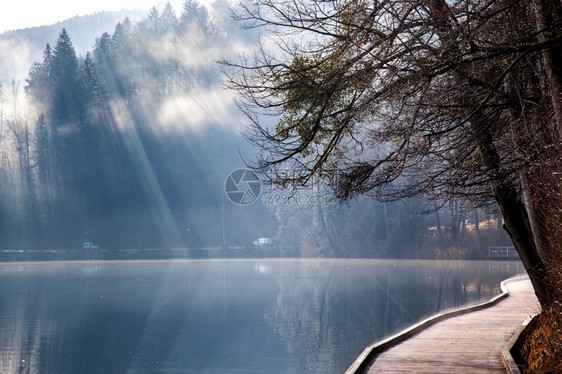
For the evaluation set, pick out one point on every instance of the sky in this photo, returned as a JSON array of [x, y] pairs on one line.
[[18, 14]]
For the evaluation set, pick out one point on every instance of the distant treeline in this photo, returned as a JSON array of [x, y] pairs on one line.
[[106, 153], [129, 146], [410, 228]]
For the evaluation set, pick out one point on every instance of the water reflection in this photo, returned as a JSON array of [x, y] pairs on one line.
[[278, 316], [262, 268]]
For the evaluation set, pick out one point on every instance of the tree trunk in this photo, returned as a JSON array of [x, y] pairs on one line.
[[477, 230], [548, 15], [516, 223], [531, 214], [516, 219]]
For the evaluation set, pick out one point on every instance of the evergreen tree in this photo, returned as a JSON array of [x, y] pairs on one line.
[[194, 12], [168, 19], [96, 148], [92, 91], [121, 38], [152, 23], [64, 70], [39, 78], [109, 64]]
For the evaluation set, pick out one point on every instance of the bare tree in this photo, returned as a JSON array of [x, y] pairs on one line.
[[451, 99], [21, 138]]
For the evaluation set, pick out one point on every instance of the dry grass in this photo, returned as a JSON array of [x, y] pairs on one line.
[[542, 350]]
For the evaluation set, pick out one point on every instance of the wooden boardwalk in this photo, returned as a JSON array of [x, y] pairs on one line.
[[470, 343]]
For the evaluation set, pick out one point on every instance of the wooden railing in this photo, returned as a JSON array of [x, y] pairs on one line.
[[502, 252]]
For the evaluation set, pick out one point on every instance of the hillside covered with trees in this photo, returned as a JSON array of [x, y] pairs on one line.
[[114, 147], [128, 145]]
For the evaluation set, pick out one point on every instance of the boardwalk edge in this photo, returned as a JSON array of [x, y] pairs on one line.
[[365, 358], [507, 358]]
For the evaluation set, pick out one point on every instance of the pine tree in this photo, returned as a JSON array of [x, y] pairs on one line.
[[168, 18], [194, 12], [39, 77], [64, 70], [90, 84]]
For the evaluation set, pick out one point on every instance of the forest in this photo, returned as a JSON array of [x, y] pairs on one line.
[[129, 145]]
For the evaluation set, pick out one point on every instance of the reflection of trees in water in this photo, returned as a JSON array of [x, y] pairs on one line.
[[65, 323], [339, 302], [19, 340], [37, 319], [458, 283], [306, 329], [324, 312], [336, 306]]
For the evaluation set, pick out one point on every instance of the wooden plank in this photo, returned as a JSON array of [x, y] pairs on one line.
[[470, 343]]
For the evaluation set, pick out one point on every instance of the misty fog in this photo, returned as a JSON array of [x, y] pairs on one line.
[[116, 129]]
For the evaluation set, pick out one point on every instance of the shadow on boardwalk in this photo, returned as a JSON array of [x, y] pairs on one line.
[[469, 343]]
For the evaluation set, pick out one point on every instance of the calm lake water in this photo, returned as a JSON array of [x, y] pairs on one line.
[[221, 316]]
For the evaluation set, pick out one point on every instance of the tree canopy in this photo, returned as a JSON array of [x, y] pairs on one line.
[[451, 99], [105, 152]]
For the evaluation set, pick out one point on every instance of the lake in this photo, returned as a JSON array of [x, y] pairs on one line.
[[222, 316]]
